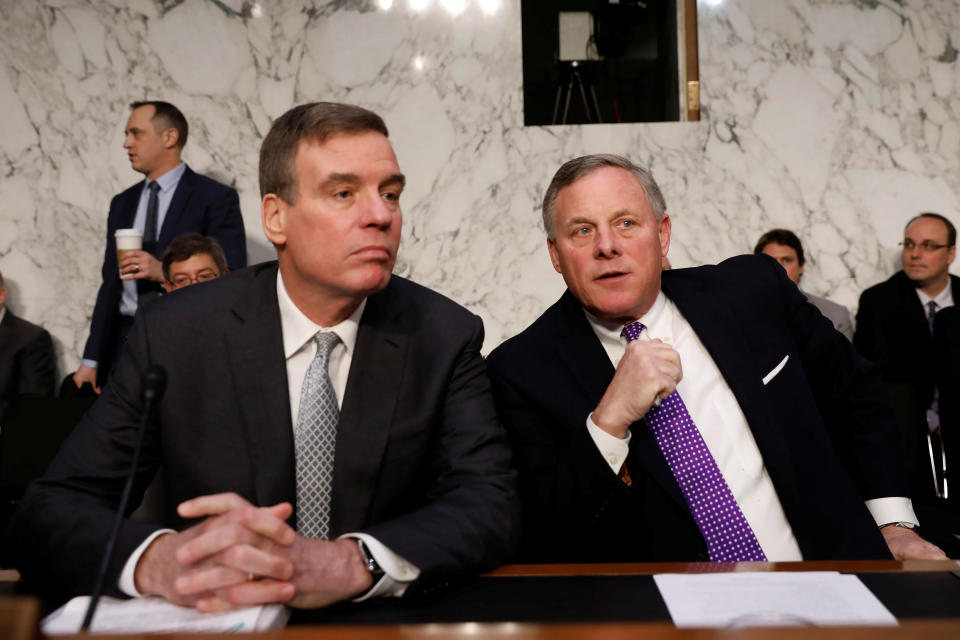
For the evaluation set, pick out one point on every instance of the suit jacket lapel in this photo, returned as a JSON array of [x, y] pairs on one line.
[[255, 349], [128, 208], [589, 365], [581, 349], [722, 335], [373, 387]]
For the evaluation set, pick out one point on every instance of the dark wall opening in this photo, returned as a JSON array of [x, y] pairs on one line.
[[627, 70]]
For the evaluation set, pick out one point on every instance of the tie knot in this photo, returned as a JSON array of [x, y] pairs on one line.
[[632, 331], [153, 185], [326, 341]]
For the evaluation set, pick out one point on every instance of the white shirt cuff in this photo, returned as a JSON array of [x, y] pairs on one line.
[[397, 572], [127, 584], [887, 510], [613, 449], [89, 363]]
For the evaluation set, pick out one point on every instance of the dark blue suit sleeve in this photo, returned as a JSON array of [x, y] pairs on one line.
[[224, 222]]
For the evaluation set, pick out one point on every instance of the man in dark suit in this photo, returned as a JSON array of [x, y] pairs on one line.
[[171, 200], [192, 258], [784, 246], [947, 352], [27, 366], [410, 485], [895, 329], [693, 414]]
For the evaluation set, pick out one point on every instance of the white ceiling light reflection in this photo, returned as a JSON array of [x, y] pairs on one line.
[[256, 11], [385, 4], [454, 7], [489, 7], [714, 3], [419, 62], [418, 5]]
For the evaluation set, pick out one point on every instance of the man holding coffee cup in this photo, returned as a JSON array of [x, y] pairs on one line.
[[144, 219]]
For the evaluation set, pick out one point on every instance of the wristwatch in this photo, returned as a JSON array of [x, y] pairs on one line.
[[901, 524], [376, 572]]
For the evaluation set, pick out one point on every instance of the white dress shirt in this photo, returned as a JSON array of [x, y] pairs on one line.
[[717, 414]]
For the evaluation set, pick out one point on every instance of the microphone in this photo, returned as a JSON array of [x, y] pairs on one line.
[[154, 383]]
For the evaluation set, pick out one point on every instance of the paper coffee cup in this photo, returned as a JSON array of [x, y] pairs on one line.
[[127, 240]]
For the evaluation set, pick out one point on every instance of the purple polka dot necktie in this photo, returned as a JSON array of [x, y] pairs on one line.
[[727, 533]]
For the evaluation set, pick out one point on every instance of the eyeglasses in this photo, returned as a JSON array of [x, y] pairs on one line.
[[182, 280], [926, 246]]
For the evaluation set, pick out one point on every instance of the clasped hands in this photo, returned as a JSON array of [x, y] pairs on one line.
[[243, 555], [648, 370]]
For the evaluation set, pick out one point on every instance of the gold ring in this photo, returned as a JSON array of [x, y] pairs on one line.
[[251, 577], [136, 268]]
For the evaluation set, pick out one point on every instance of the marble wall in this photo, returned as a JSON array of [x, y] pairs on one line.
[[836, 118]]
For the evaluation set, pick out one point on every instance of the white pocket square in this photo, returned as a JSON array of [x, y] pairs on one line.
[[773, 373]]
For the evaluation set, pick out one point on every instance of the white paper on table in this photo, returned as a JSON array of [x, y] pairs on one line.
[[159, 615], [770, 599]]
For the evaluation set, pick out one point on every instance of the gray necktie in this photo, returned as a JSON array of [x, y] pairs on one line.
[[315, 439]]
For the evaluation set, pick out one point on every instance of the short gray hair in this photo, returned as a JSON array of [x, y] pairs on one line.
[[577, 168]]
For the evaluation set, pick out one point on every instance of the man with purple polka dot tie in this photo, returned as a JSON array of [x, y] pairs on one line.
[[692, 414]]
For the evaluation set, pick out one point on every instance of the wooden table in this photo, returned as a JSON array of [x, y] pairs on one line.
[[947, 626]]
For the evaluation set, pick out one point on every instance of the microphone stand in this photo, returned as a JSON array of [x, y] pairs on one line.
[[154, 381]]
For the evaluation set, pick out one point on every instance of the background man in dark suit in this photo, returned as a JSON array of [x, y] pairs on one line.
[[895, 325], [417, 484], [182, 201], [192, 258], [27, 365], [784, 246], [791, 444]]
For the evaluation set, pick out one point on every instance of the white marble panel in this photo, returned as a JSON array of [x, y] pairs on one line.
[[840, 120]]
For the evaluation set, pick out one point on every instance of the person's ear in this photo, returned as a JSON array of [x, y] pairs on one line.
[[275, 219]]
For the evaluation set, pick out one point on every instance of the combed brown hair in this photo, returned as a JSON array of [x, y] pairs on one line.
[[784, 237], [187, 245], [166, 116], [573, 170], [316, 122]]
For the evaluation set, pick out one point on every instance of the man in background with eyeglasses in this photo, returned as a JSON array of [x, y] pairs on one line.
[[191, 258], [896, 327]]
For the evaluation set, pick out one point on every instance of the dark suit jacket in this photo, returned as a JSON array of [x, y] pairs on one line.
[[199, 204], [821, 424], [946, 333], [893, 332], [422, 463], [27, 365]]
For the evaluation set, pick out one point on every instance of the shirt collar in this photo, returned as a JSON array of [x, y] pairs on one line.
[[656, 320], [943, 299], [298, 329], [3, 312], [170, 179]]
